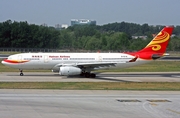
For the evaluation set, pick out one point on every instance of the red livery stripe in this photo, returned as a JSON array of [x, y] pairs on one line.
[[15, 61]]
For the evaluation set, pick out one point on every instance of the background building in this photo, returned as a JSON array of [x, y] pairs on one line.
[[62, 26], [82, 22]]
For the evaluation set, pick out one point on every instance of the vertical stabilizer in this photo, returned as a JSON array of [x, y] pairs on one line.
[[157, 47]]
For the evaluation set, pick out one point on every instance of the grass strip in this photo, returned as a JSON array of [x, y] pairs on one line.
[[162, 86]]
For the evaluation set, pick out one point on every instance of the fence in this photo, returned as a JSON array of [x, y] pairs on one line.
[[51, 50], [31, 50]]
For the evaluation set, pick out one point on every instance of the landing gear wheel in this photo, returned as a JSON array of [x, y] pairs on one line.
[[82, 74], [21, 74], [87, 74], [93, 75]]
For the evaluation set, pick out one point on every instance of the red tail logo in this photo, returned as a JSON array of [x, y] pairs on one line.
[[159, 39], [160, 42], [157, 46]]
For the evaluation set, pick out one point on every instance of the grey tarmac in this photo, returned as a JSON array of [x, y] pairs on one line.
[[32, 103], [101, 77]]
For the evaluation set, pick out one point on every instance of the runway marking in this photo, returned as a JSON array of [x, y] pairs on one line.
[[158, 100], [173, 111], [124, 100], [145, 104], [153, 104]]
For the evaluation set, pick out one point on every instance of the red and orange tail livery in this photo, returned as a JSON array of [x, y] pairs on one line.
[[157, 47]]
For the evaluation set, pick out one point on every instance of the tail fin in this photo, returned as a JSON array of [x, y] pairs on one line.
[[157, 47], [160, 41]]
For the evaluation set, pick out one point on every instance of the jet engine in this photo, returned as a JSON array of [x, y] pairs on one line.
[[69, 70]]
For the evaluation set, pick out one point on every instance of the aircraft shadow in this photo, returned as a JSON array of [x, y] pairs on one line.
[[141, 75], [110, 79]]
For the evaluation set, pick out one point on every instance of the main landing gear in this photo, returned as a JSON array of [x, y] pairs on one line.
[[88, 74], [21, 72]]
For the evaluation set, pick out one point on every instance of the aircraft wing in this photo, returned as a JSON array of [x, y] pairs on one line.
[[95, 64], [88, 65], [104, 64]]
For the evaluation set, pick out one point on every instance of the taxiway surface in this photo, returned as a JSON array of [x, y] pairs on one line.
[[16, 103], [102, 77]]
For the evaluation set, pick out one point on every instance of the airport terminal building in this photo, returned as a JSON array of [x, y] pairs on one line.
[[82, 22]]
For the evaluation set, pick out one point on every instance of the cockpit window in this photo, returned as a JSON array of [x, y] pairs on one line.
[[10, 57]]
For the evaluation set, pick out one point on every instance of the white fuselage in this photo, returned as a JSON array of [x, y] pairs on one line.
[[50, 60]]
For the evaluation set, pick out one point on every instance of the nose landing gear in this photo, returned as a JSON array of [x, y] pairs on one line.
[[21, 72]]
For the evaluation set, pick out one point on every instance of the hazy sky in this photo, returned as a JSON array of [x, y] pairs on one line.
[[51, 12]]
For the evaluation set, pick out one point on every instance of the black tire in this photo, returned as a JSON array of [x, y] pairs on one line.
[[93, 75], [87, 74], [21, 74], [82, 74]]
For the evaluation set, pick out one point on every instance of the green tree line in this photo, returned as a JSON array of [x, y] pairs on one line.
[[114, 36]]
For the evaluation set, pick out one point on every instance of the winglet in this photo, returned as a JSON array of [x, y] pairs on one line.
[[133, 60]]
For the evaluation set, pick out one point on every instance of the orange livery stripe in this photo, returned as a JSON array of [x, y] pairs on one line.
[[15, 61]]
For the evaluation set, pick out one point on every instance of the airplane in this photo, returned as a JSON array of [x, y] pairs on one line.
[[69, 64]]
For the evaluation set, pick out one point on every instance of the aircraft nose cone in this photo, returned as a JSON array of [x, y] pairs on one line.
[[3, 61]]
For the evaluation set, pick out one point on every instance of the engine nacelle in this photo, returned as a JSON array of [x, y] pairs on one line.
[[69, 70], [55, 69]]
